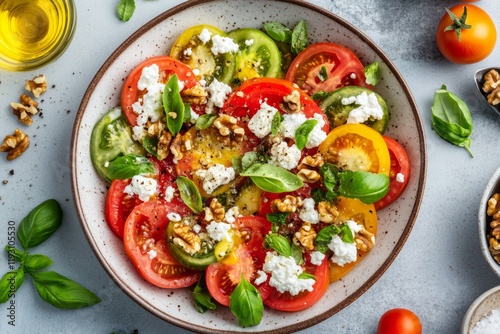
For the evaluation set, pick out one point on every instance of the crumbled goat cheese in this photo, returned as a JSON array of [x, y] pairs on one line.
[[317, 135], [204, 35], [231, 214], [249, 42], [223, 45], [218, 92], [152, 254], [344, 252], [353, 76], [261, 278], [106, 164], [142, 186], [196, 71], [285, 274], [174, 216], [188, 52], [194, 117], [400, 177], [290, 123], [369, 108], [197, 228], [317, 258], [215, 176], [261, 123], [285, 156], [169, 193], [219, 231], [308, 213]]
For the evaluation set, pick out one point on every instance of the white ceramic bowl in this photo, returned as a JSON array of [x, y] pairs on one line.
[[492, 187], [481, 307], [156, 37]]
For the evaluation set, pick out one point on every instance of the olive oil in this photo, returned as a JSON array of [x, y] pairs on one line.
[[34, 32]]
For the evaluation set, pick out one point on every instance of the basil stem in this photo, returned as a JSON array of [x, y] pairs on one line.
[[372, 73], [202, 299], [126, 9], [278, 32], [189, 193], [40, 224], [451, 118], [36, 262], [205, 121], [126, 166], [272, 178], [300, 37], [62, 292], [279, 243], [246, 304], [303, 131], [173, 105], [10, 283]]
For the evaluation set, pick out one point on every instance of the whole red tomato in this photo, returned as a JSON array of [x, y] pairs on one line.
[[399, 321], [466, 34]]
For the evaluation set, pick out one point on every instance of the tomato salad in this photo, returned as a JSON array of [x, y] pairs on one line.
[[249, 165]]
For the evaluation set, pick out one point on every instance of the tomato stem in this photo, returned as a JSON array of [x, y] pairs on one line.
[[458, 23]]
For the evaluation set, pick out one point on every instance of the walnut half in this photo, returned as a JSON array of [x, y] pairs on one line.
[[24, 109], [37, 86], [15, 144], [492, 86]]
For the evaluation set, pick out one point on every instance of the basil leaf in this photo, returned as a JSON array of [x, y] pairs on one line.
[[173, 105], [303, 131], [320, 95], [451, 118], [306, 275], [272, 178], [62, 292], [278, 32], [275, 123], [297, 254], [246, 304], [40, 224], [324, 237], [323, 74], [279, 243], [319, 195], [277, 217], [126, 166], [300, 37], [250, 158], [365, 186], [36, 262], [126, 9], [205, 121], [15, 253], [10, 283], [372, 73], [189, 193], [187, 113], [202, 299], [346, 234], [330, 175], [150, 144]]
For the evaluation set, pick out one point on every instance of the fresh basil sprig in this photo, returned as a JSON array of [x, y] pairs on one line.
[[279, 243], [300, 37], [372, 73], [272, 178], [451, 118], [202, 299], [126, 166], [278, 32], [189, 193], [173, 105], [52, 287], [246, 304], [126, 9], [303, 131], [277, 218]]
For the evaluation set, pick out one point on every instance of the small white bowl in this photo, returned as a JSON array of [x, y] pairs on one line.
[[492, 187], [481, 307]]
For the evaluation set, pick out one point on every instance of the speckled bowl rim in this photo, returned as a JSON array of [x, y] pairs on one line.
[[347, 301], [492, 186], [466, 322]]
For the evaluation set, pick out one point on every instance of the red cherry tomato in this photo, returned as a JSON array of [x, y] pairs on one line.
[[400, 164], [475, 43], [399, 321], [326, 67]]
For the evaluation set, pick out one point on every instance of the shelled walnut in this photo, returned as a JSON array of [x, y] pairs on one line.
[[493, 233], [492, 86], [229, 132], [24, 109], [37, 86], [15, 144]]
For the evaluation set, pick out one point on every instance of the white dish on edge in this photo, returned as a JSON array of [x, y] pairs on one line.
[[156, 37]]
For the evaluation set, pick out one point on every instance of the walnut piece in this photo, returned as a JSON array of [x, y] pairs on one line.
[[157, 129], [15, 144], [364, 240], [37, 86], [309, 168], [328, 212], [24, 109], [183, 236], [493, 204], [215, 211], [492, 86], [181, 144], [194, 95], [494, 97], [305, 236], [230, 133], [493, 234], [312, 162], [308, 175], [288, 204], [291, 102]]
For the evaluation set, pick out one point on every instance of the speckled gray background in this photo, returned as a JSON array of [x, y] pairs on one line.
[[439, 271]]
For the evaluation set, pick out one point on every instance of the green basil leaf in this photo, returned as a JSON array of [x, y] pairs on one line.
[[330, 176], [246, 304], [36, 262], [126, 166], [278, 32], [372, 73], [250, 158], [10, 283], [189, 193], [320, 95], [297, 254], [451, 118], [324, 237], [319, 195], [306, 275], [277, 217], [15, 253], [303, 131], [40, 224], [150, 144], [173, 105], [202, 299], [346, 234], [275, 123], [323, 74], [205, 121], [62, 292], [187, 113], [279, 243], [272, 178], [126, 9], [300, 37], [365, 186]]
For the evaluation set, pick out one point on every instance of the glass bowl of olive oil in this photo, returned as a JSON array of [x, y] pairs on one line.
[[34, 33]]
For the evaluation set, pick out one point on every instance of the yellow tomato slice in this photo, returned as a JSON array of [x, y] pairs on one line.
[[356, 147], [363, 214]]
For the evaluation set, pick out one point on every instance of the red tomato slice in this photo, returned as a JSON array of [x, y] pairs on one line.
[[288, 303], [222, 278], [144, 240], [342, 66], [399, 164], [168, 66]]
